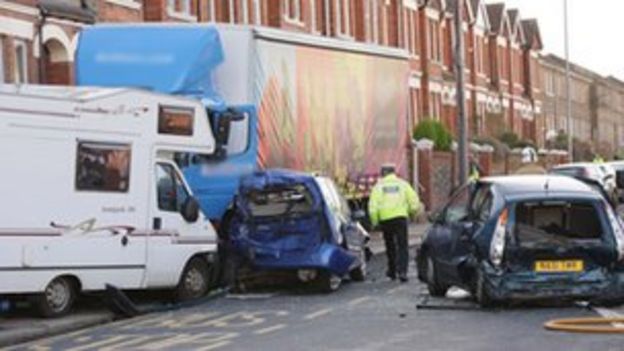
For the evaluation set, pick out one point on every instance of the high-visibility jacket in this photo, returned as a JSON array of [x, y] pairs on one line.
[[392, 198], [598, 159]]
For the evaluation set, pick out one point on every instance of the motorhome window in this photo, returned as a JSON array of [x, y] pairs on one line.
[[171, 191], [103, 167], [556, 223], [281, 202], [238, 140], [175, 121]]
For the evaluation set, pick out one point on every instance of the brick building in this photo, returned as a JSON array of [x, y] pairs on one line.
[[597, 105], [501, 48]]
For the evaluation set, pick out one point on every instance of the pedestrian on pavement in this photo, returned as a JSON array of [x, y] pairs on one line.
[[475, 169], [391, 204]]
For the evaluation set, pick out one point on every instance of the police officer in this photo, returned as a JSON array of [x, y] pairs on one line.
[[391, 203]]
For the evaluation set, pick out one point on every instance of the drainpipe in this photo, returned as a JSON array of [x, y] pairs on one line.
[[42, 54]]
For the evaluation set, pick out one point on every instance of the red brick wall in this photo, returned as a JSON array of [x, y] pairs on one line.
[[154, 10], [109, 12]]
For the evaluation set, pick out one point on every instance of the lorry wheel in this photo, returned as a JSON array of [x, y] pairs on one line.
[[327, 282], [194, 282], [57, 298], [434, 286]]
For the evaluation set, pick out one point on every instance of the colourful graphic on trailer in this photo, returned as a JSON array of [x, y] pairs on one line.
[[337, 112]]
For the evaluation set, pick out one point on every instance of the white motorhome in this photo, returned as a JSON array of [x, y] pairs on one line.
[[92, 195]]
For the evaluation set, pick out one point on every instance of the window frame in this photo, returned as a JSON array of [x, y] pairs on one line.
[[23, 70], [80, 143], [177, 182]]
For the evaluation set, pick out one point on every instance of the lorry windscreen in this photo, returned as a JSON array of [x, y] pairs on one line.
[[285, 201]]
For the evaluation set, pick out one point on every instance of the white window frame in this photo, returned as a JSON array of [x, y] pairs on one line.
[[186, 7], [232, 11], [313, 17], [257, 9], [245, 10], [2, 74], [372, 21], [24, 68], [341, 32], [297, 18], [171, 5]]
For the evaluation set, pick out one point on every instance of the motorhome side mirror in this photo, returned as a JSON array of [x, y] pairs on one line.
[[619, 179], [358, 215], [190, 210]]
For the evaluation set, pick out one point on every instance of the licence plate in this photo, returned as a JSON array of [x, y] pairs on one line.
[[559, 266]]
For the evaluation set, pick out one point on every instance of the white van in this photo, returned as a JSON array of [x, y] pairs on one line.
[[91, 195]]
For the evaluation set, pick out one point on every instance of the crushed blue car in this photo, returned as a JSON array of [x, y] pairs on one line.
[[300, 223]]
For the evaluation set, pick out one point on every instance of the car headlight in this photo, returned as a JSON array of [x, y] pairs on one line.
[[497, 245], [618, 231]]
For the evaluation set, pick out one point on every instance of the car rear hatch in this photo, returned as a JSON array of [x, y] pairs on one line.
[[280, 219], [566, 241]]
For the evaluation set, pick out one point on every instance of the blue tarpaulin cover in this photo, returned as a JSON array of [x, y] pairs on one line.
[[168, 58]]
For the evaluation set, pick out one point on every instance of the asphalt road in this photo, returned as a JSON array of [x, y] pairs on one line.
[[374, 315]]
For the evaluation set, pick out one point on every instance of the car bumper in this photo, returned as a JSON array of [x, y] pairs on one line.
[[590, 285], [325, 256]]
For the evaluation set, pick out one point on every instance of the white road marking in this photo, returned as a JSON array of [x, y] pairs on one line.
[[214, 346], [99, 344], [317, 314], [394, 290], [607, 313], [359, 300], [270, 329]]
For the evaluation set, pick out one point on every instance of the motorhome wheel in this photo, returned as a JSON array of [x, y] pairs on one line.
[[194, 281], [57, 298]]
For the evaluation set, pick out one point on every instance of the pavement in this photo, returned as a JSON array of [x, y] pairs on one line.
[[20, 326]]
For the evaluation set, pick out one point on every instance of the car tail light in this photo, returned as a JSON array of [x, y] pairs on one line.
[[497, 246], [618, 230]]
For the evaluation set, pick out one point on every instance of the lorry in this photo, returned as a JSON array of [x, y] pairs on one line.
[[94, 197], [279, 99]]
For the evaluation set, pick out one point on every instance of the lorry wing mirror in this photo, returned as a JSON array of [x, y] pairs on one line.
[[190, 210], [222, 130]]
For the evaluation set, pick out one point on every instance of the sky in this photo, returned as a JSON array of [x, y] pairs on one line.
[[596, 30]]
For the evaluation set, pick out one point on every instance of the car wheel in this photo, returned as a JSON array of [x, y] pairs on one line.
[[194, 282], [434, 286], [327, 282], [481, 295], [359, 273], [57, 298]]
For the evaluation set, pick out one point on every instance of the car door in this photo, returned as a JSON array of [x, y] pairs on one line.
[[171, 194], [447, 230]]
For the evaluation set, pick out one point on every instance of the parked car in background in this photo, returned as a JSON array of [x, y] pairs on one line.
[[602, 173], [618, 167], [299, 223], [525, 238]]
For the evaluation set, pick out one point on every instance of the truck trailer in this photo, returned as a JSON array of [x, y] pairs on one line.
[[288, 100], [94, 197]]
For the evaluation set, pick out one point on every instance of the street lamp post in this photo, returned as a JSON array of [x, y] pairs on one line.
[[462, 149], [568, 90]]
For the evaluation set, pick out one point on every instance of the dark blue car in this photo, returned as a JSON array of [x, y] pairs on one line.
[[297, 222], [523, 238]]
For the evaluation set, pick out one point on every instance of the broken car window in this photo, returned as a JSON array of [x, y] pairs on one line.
[[556, 223], [286, 201]]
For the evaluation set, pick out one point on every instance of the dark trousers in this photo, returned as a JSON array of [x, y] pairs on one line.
[[397, 251]]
